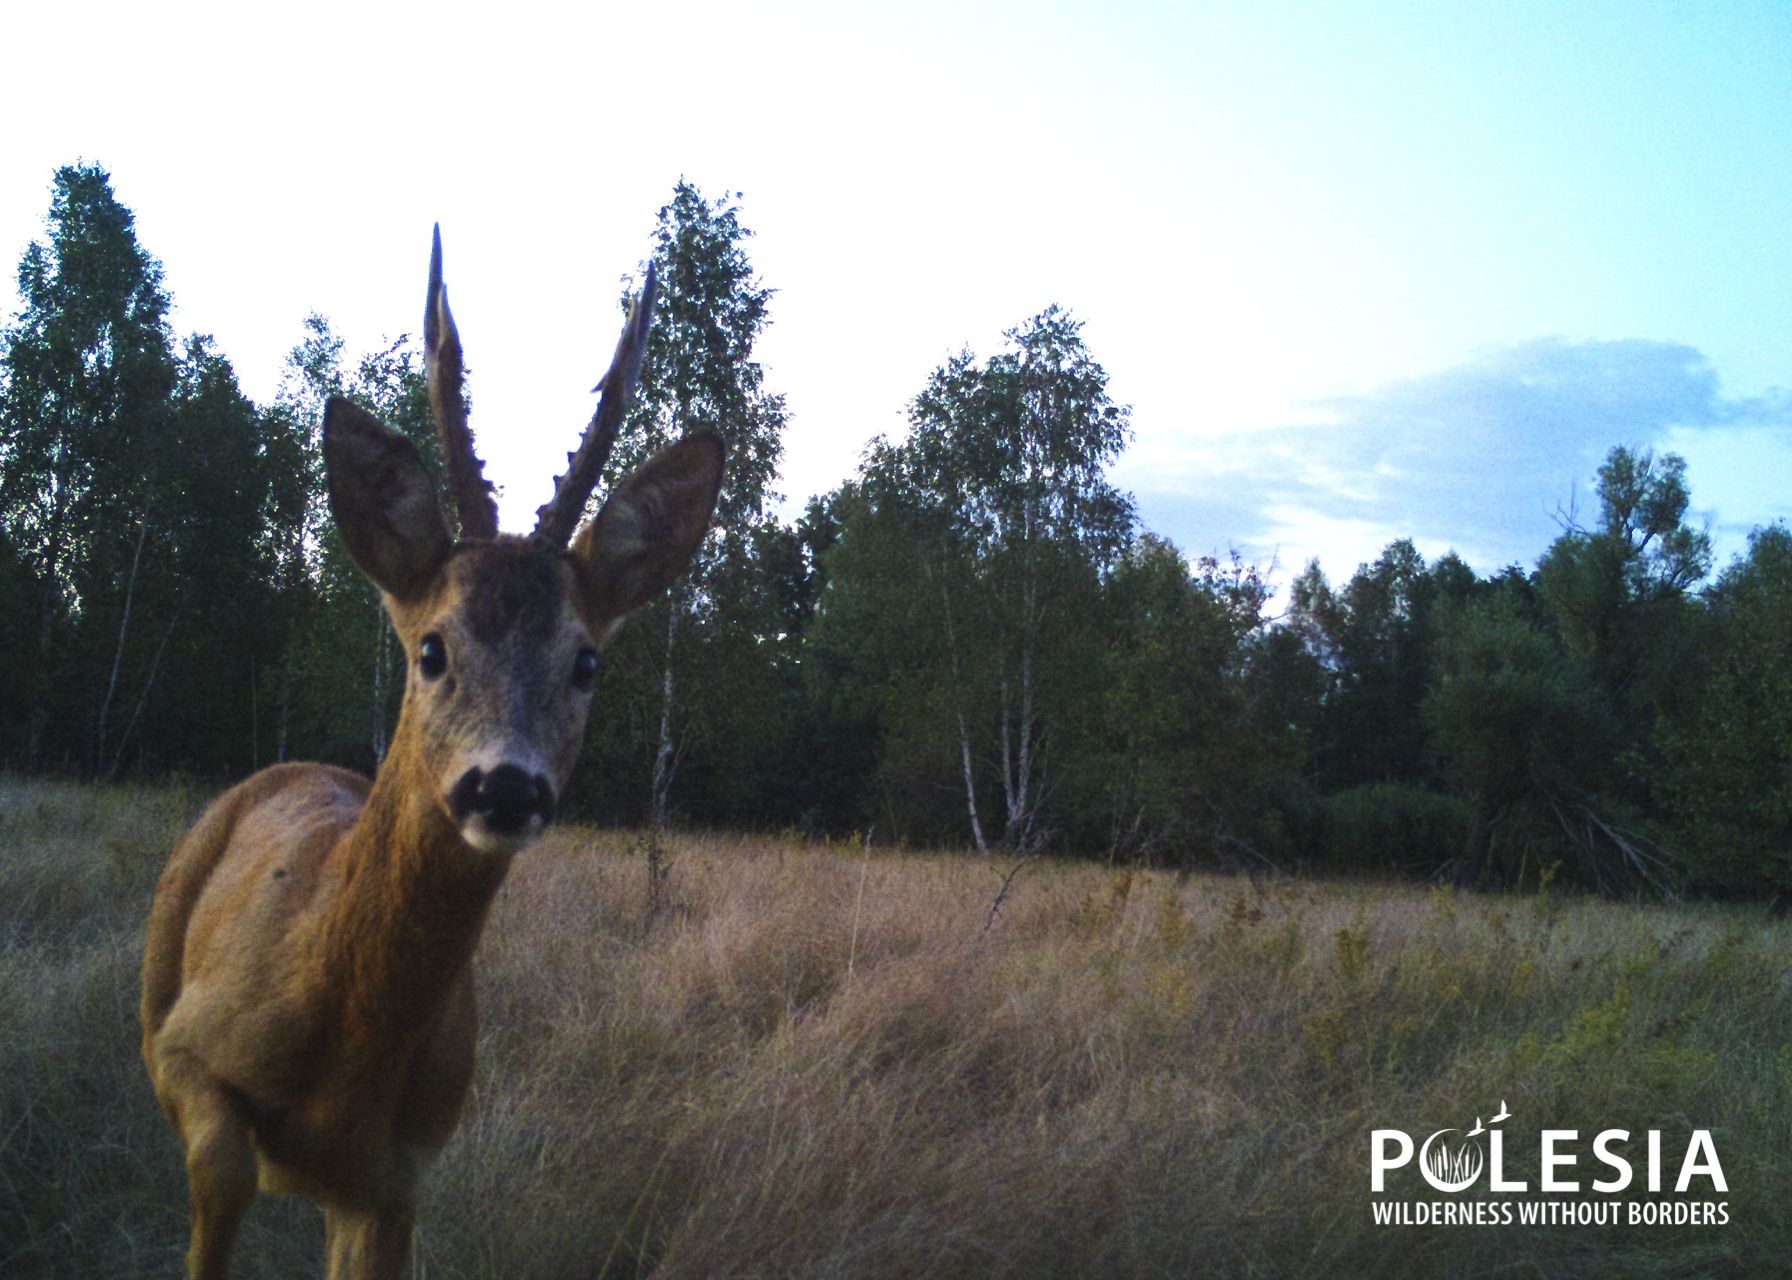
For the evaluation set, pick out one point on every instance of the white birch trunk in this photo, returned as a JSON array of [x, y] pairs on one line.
[[1017, 762], [142, 698], [124, 629], [964, 733], [970, 785]]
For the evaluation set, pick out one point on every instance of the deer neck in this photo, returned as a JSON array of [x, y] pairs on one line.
[[408, 913]]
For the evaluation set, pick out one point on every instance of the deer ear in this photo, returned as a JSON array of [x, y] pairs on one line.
[[648, 530], [383, 501]]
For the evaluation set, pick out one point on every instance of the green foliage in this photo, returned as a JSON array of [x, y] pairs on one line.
[[1729, 755], [1375, 639], [702, 686], [968, 641], [1510, 708], [973, 555], [132, 485], [699, 373], [1525, 732], [178, 598], [1618, 596], [1547, 699], [1192, 760], [215, 578], [1396, 826]]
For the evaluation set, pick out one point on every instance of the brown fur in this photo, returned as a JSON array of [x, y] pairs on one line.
[[308, 1016]]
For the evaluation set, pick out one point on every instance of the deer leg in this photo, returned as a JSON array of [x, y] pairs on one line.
[[220, 1175], [367, 1245]]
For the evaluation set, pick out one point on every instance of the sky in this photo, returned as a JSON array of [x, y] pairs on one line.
[[1363, 271]]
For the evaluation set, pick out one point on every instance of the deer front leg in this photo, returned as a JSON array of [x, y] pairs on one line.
[[220, 1164], [367, 1245]]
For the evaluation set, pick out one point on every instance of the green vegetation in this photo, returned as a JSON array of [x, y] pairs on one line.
[[816, 1059], [971, 643]]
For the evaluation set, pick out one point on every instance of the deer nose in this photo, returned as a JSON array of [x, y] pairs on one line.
[[506, 798]]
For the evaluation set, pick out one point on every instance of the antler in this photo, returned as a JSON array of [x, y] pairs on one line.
[[556, 519], [442, 362]]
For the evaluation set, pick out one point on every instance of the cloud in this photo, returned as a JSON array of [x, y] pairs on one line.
[[1482, 458]]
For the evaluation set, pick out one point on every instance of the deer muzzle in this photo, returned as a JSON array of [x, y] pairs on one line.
[[503, 808]]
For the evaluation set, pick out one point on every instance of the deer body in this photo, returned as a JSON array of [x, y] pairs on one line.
[[308, 1013]]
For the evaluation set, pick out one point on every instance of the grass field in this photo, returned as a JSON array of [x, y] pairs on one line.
[[818, 1061]]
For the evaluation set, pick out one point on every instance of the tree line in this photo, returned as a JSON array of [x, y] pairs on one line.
[[972, 642]]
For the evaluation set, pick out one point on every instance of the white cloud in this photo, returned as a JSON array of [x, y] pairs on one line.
[[1484, 458]]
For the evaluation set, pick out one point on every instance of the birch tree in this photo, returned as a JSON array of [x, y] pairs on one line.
[[1005, 474], [700, 374]]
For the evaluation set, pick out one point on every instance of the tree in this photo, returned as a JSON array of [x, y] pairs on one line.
[[1375, 640], [84, 453], [336, 685], [1546, 690], [20, 596], [1616, 592], [1190, 754], [711, 666], [209, 576], [1729, 751], [1523, 730], [1619, 596], [297, 529], [1000, 498]]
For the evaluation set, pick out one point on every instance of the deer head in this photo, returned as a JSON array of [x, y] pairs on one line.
[[501, 634]]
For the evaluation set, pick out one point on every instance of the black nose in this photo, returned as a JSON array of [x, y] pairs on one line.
[[506, 798]]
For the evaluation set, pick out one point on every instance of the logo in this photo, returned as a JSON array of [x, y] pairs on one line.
[[1454, 1161], [1451, 1170]]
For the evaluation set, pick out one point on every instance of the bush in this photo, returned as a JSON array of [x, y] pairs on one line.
[[1395, 827]]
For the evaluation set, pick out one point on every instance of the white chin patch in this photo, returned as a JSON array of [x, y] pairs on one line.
[[482, 837]]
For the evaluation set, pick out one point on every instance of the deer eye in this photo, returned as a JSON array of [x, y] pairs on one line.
[[432, 657], [584, 668]]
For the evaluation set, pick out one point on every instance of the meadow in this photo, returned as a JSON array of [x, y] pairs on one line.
[[809, 1060]]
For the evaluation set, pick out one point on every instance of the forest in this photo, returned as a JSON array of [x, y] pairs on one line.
[[971, 643]]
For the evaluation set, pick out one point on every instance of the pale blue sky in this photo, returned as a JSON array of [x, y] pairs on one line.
[[1363, 270]]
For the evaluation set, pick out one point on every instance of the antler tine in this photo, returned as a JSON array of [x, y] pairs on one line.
[[472, 492], [556, 519]]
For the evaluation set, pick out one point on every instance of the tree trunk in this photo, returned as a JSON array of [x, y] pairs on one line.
[[664, 758], [1017, 767], [970, 784], [964, 733], [40, 694], [281, 725], [124, 628], [1010, 801], [142, 698]]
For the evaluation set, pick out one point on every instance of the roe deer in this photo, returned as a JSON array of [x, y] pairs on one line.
[[308, 1017]]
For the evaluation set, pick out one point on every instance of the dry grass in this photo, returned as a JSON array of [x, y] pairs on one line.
[[817, 1062]]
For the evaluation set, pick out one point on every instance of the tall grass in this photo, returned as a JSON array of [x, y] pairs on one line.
[[814, 1061]]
